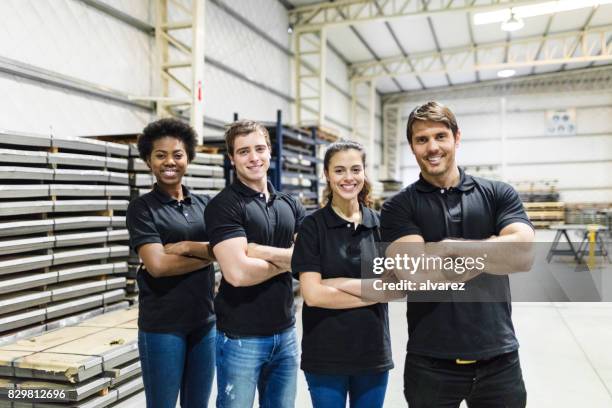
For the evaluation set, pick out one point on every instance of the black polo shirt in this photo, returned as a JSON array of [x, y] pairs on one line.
[[239, 211], [341, 341], [446, 329], [173, 303]]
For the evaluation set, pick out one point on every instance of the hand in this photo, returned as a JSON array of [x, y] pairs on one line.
[[178, 248], [283, 266]]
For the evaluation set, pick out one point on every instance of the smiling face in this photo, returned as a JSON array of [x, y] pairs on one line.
[[346, 174], [168, 161], [251, 157], [433, 146]]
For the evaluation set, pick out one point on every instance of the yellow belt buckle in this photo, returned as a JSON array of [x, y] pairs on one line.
[[460, 361]]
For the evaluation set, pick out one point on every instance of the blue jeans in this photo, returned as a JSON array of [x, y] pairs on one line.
[[364, 391], [268, 363], [178, 361]]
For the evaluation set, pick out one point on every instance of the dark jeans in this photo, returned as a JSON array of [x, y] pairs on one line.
[[364, 391], [178, 361], [436, 383]]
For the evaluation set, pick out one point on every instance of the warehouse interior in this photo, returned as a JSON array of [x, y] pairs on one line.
[[530, 82]]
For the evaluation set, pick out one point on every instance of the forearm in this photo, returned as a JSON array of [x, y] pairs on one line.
[[270, 253], [174, 265], [500, 255], [328, 297], [199, 250], [249, 272], [370, 290]]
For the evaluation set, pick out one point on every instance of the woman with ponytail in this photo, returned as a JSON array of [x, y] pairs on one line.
[[346, 349]]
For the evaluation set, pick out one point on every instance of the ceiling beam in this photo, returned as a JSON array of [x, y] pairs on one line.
[[595, 79], [552, 49], [345, 12]]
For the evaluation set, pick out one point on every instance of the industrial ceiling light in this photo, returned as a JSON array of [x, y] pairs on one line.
[[514, 23], [538, 9], [506, 73], [290, 28]]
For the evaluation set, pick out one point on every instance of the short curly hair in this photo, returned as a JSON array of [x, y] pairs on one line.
[[167, 127]]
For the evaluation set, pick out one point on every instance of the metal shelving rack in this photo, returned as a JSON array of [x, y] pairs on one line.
[[294, 161]]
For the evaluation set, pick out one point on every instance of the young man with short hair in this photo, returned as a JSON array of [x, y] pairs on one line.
[[457, 350], [252, 227]]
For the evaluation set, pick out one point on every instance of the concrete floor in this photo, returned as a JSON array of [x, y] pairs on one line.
[[566, 354]]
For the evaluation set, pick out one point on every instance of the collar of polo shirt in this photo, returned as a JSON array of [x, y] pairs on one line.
[[164, 198], [333, 220], [247, 191], [466, 183]]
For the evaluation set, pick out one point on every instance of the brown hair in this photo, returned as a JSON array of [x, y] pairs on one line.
[[242, 128], [364, 196], [432, 111]]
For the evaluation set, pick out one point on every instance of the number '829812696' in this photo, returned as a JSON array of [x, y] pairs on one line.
[[36, 394]]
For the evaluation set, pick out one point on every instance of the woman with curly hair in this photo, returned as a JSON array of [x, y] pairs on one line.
[[346, 348], [176, 322]]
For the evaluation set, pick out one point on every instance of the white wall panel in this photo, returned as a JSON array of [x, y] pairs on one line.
[[559, 149], [225, 94], [236, 46], [135, 8], [32, 107], [269, 15], [337, 71], [73, 39]]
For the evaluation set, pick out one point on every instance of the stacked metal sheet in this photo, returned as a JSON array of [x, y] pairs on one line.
[[63, 242], [91, 364]]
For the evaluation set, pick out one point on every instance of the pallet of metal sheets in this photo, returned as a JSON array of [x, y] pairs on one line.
[[25, 173], [59, 392], [89, 145], [81, 190], [13, 138], [80, 271], [87, 222], [73, 360], [94, 345], [73, 289], [88, 254], [24, 281], [19, 319], [23, 300], [121, 393], [15, 246], [124, 372], [19, 299], [26, 227], [87, 160], [55, 324], [13, 208], [64, 308], [9, 265], [12, 191], [124, 318], [104, 176], [208, 158], [23, 156]]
